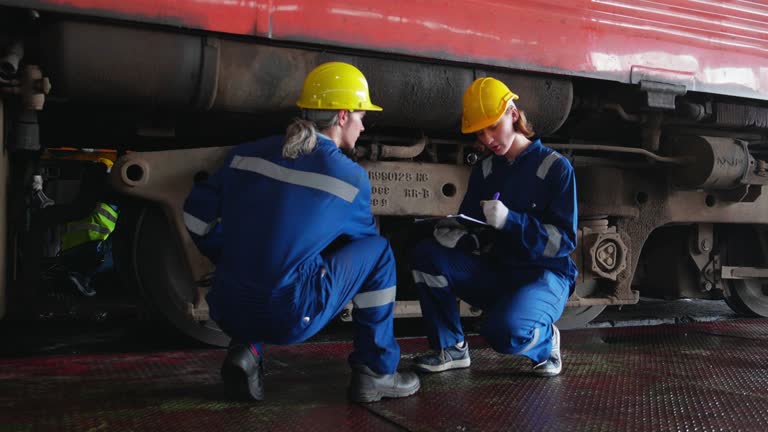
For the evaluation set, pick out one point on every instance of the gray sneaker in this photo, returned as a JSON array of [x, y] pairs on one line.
[[554, 364], [447, 359]]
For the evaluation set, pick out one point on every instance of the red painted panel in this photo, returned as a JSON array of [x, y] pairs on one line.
[[710, 45], [227, 16]]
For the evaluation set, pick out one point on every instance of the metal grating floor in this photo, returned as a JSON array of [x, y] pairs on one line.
[[697, 377]]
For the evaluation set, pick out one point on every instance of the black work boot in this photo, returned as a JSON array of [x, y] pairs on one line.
[[368, 386], [243, 373]]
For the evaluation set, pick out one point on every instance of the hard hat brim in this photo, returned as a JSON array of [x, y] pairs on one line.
[[491, 120], [372, 107], [481, 125]]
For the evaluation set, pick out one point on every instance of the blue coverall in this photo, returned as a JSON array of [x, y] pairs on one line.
[[294, 242], [523, 282]]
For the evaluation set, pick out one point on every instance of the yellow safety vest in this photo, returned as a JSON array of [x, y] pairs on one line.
[[95, 227]]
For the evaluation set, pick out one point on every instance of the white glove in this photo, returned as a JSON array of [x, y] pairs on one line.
[[495, 213], [448, 232]]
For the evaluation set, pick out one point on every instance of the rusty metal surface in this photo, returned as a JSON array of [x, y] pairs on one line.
[[704, 376], [645, 201], [99, 63], [166, 177]]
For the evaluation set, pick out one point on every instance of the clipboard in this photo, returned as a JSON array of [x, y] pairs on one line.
[[462, 218]]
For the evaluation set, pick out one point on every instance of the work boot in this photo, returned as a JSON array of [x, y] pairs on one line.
[[447, 359], [368, 386], [554, 364], [243, 372]]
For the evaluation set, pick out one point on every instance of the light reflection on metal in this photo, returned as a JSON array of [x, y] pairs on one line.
[[683, 34], [666, 14], [609, 62], [252, 4], [740, 76], [732, 7], [356, 13], [432, 25]]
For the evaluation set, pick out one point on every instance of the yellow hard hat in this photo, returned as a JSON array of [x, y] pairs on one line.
[[336, 86], [485, 101], [107, 162]]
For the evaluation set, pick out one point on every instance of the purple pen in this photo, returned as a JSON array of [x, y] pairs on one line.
[[496, 195]]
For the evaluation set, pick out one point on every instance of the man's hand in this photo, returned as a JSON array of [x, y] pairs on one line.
[[495, 213], [448, 232]]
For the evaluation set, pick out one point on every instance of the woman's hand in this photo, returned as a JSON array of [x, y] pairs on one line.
[[448, 232], [495, 213]]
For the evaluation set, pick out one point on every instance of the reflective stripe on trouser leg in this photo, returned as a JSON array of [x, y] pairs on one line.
[[439, 307], [521, 321], [363, 271]]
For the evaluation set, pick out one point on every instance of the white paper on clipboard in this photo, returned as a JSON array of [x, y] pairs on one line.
[[461, 217]]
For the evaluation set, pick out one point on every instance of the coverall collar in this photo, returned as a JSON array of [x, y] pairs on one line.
[[325, 140], [534, 145]]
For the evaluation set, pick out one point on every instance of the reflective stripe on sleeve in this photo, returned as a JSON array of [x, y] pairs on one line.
[[487, 166], [546, 164], [532, 343], [375, 298], [554, 238], [321, 182], [198, 226], [432, 281]]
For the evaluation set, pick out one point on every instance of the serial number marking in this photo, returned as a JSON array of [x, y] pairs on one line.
[[422, 193], [379, 202], [390, 176], [380, 190]]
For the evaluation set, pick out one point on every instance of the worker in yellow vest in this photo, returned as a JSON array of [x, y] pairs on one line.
[[86, 246]]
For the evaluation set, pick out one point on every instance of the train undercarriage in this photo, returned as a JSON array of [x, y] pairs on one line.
[[671, 190]]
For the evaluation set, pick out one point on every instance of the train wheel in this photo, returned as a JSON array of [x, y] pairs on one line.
[[579, 317], [747, 246], [148, 256], [747, 297]]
